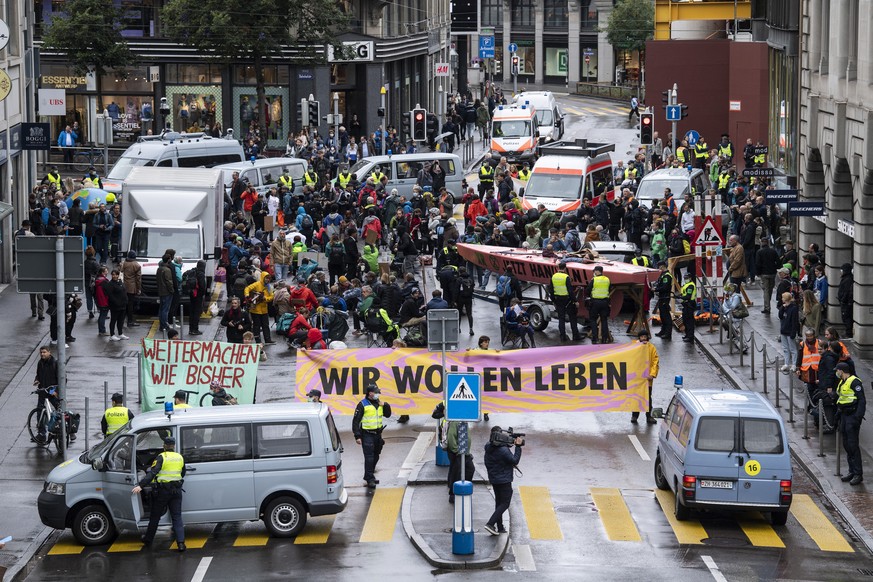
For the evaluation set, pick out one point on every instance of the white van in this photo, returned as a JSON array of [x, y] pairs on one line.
[[680, 181], [264, 174], [568, 172], [402, 170], [273, 462], [550, 119], [514, 133], [173, 149]]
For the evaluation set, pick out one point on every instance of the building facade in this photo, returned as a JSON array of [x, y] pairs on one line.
[[836, 148], [396, 47]]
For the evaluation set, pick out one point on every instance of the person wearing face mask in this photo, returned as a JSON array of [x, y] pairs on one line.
[[851, 405], [94, 177], [313, 396], [367, 426]]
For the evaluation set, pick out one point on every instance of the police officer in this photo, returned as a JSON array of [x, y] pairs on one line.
[[54, 178], [851, 405], [640, 260], [564, 296], [524, 173], [310, 177], [180, 400], [367, 427], [664, 287], [598, 293], [286, 180], [344, 177], [689, 306], [115, 417], [167, 471], [486, 178]]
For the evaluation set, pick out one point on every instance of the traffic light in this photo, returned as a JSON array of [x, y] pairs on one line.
[[497, 68], [514, 65], [419, 125], [314, 113], [684, 109], [433, 124], [406, 124], [303, 113], [647, 128], [667, 98]]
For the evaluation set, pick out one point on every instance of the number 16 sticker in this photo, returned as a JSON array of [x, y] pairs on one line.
[[752, 467]]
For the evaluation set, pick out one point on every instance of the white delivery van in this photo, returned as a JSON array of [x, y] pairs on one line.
[[172, 149], [680, 181], [514, 133], [568, 172], [550, 119], [272, 462]]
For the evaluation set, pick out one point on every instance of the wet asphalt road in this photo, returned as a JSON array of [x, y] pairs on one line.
[[567, 458]]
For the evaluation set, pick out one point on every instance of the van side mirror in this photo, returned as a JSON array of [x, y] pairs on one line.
[[657, 413], [97, 464]]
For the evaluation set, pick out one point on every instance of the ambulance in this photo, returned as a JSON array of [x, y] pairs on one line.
[[514, 133], [568, 172]]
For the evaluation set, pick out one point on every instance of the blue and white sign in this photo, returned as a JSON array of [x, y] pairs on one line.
[[674, 113], [486, 47], [513, 48], [463, 397], [693, 137]]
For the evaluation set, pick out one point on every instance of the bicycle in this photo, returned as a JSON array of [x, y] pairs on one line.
[[206, 399], [84, 159], [43, 418]]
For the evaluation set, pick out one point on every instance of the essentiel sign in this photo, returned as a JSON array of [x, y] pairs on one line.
[[62, 82]]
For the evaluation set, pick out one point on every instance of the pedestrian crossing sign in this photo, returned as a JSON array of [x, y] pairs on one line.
[[463, 402], [709, 235]]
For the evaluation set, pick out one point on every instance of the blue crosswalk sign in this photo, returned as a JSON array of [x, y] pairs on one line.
[[463, 397], [674, 113]]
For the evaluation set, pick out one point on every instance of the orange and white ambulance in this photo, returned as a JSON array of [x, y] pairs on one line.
[[514, 133], [568, 172]]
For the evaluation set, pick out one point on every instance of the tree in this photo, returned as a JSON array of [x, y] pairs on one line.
[[89, 33], [630, 25], [258, 31]]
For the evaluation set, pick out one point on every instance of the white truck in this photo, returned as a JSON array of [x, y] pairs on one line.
[[172, 208]]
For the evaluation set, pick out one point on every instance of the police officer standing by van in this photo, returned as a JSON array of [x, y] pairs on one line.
[[564, 296], [598, 293], [851, 405], [116, 416], [167, 471], [367, 426]]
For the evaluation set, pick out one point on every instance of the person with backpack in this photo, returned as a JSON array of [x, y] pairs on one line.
[[194, 285], [336, 258], [507, 288], [464, 296], [304, 223]]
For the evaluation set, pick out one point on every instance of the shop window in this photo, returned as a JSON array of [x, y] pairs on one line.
[[556, 61], [136, 81], [131, 115], [526, 60], [246, 116], [194, 108]]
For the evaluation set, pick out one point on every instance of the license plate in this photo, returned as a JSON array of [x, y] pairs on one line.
[[717, 484]]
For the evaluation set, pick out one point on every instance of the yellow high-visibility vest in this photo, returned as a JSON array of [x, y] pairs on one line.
[[560, 284], [171, 467], [600, 289], [372, 419], [116, 417]]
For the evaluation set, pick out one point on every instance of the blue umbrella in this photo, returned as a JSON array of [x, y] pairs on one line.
[[87, 195]]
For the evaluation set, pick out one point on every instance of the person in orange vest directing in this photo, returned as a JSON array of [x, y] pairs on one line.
[[807, 361], [851, 405]]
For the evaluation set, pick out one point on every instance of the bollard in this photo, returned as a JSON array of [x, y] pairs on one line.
[[730, 323], [765, 368], [105, 395], [806, 419], [821, 452], [441, 456], [462, 531], [776, 367], [742, 343], [181, 320], [790, 400], [87, 425], [752, 356], [839, 444], [124, 384], [139, 378]]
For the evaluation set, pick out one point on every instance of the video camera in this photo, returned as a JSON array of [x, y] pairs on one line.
[[506, 438]]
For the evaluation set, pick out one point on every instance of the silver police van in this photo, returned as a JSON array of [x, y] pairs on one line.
[[273, 462]]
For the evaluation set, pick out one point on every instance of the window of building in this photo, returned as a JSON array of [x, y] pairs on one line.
[[556, 61], [523, 12], [526, 59], [138, 19], [588, 14], [556, 14], [273, 75], [204, 74], [492, 12]]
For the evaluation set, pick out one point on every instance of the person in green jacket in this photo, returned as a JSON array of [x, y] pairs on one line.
[[659, 243], [297, 247], [371, 257]]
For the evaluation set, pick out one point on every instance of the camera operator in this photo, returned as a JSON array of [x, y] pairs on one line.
[[500, 463]]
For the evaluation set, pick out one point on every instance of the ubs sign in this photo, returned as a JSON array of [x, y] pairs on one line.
[[357, 51]]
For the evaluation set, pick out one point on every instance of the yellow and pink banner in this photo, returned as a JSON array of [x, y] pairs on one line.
[[604, 378]]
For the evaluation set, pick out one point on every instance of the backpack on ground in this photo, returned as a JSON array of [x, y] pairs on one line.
[[189, 281], [504, 287], [373, 320], [284, 323]]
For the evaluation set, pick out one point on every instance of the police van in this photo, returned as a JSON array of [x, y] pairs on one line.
[[681, 181], [176, 150], [514, 133], [273, 462], [724, 450], [550, 119], [264, 174], [402, 170], [568, 172]]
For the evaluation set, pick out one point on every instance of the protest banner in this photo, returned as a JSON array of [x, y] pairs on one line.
[[603, 378], [169, 365]]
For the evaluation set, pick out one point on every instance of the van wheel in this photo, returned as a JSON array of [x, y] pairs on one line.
[[778, 517], [682, 513], [660, 481], [93, 526], [285, 517]]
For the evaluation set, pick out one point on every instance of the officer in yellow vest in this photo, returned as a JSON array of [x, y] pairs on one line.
[[640, 260], [701, 153], [367, 427], [486, 178], [851, 406], [54, 178], [377, 175], [689, 306], [524, 173], [682, 151], [724, 180], [167, 472], [180, 400], [564, 297], [598, 294], [115, 417], [630, 172], [310, 177], [344, 178], [286, 180], [726, 148], [760, 159], [664, 288]]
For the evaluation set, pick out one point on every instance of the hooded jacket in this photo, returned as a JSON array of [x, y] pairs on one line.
[[260, 286], [314, 339]]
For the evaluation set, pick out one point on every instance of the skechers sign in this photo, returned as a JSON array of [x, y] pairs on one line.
[[806, 208]]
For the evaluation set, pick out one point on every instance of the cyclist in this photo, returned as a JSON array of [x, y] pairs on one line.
[[220, 397], [46, 378]]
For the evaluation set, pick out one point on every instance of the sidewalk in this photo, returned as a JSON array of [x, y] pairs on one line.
[[855, 504], [428, 518]]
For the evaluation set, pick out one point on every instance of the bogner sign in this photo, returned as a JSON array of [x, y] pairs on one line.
[[356, 51]]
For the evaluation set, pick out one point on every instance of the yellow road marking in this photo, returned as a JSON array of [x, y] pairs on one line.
[[125, 545], [251, 538], [193, 541], [382, 516], [539, 512], [760, 533], [317, 530], [614, 514], [818, 526], [66, 548], [153, 330], [687, 532]]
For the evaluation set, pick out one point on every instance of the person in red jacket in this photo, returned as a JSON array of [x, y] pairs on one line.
[[314, 340], [301, 295], [102, 300], [476, 209], [249, 197], [299, 330]]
